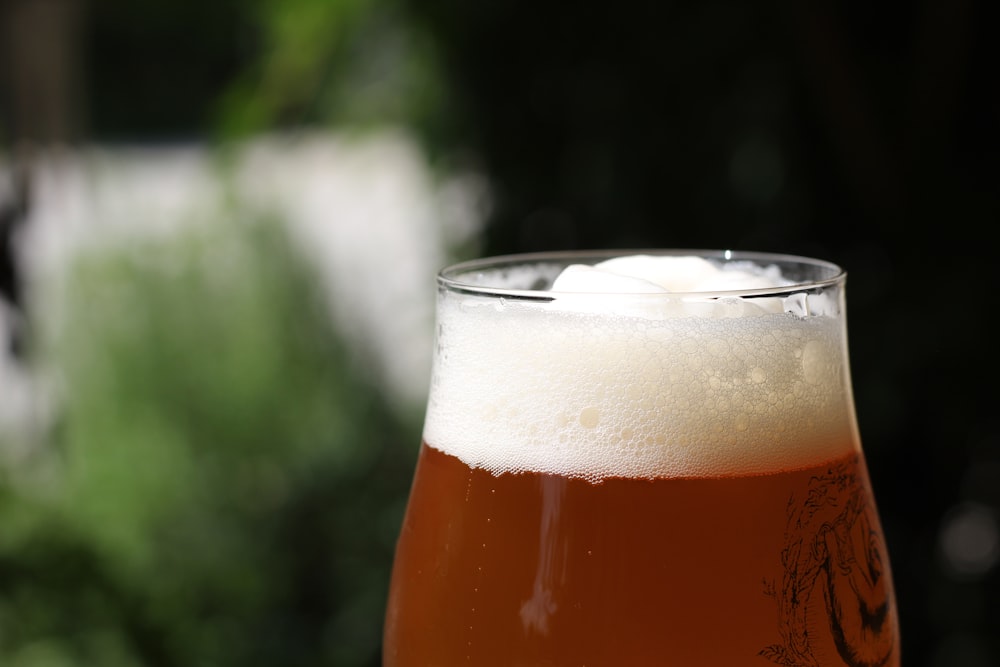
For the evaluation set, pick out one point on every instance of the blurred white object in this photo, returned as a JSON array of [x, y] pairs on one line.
[[367, 210]]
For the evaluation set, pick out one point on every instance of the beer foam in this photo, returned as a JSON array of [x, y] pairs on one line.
[[610, 375], [648, 273]]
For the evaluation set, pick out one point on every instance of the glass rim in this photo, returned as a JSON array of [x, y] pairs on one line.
[[454, 277]]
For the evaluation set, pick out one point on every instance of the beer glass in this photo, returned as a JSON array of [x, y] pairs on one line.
[[622, 474]]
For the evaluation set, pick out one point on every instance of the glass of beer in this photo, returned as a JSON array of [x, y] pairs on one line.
[[641, 459]]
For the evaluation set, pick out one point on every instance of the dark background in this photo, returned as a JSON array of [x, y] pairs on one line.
[[863, 133]]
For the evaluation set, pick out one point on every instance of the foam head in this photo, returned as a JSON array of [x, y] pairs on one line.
[[642, 366]]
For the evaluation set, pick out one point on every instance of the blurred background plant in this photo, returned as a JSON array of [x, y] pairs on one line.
[[361, 64], [223, 484], [219, 224], [220, 234]]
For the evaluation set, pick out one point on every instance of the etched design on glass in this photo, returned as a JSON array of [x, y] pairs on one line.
[[835, 597]]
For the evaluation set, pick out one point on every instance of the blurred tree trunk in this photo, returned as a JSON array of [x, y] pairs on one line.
[[40, 106], [40, 55]]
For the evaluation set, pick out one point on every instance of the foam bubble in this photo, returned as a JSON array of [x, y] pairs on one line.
[[605, 385]]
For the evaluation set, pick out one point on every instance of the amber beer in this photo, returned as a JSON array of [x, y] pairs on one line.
[[641, 478]]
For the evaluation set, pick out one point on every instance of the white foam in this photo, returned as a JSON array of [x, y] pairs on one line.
[[627, 386], [649, 273]]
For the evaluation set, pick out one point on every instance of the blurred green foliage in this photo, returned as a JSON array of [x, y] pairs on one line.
[[225, 483], [244, 68], [357, 63]]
